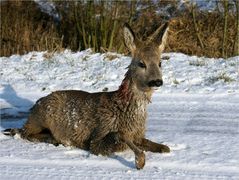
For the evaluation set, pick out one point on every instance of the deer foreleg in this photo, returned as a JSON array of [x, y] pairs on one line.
[[139, 154], [148, 145], [104, 143]]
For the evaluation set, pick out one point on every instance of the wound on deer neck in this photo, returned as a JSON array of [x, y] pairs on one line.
[[124, 92]]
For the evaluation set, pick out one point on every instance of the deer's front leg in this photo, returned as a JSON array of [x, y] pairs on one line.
[[103, 140], [139, 154], [148, 145], [100, 144]]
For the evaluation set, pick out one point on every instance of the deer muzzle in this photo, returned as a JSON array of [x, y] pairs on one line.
[[155, 83]]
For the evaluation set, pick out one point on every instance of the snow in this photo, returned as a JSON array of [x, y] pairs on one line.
[[196, 113], [49, 8]]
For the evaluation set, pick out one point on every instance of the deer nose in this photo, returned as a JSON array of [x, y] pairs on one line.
[[155, 83]]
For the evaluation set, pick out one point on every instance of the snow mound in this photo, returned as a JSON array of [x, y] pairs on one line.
[[39, 71]]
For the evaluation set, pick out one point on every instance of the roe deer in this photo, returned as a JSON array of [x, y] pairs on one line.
[[104, 122]]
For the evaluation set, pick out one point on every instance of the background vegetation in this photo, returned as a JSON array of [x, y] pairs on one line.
[[97, 25]]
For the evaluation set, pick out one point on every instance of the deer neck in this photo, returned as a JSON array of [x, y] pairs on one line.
[[128, 92]]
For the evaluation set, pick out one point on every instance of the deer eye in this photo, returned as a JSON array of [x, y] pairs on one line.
[[142, 65], [160, 64]]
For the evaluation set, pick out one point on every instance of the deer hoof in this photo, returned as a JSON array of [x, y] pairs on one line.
[[164, 149], [140, 160]]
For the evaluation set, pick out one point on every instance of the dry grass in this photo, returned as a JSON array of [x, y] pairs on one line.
[[25, 28], [183, 39], [222, 76]]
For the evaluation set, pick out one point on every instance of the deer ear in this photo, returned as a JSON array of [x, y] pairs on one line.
[[164, 36], [129, 37], [160, 36]]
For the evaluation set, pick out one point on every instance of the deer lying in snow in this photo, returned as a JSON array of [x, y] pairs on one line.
[[104, 122]]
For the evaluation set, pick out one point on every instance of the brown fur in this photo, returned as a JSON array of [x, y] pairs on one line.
[[104, 122]]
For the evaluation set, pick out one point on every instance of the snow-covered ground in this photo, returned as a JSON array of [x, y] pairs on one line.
[[196, 113]]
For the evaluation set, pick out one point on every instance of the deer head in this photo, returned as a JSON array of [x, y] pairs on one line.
[[145, 69]]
